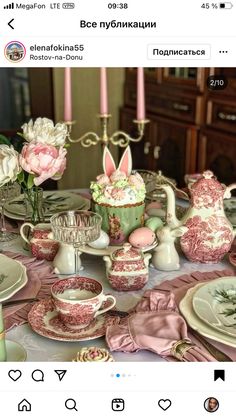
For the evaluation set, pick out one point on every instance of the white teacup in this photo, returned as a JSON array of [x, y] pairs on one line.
[[78, 301]]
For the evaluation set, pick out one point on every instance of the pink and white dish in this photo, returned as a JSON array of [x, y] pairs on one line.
[[44, 320], [127, 268], [210, 234], [78, 301], [42, 246]]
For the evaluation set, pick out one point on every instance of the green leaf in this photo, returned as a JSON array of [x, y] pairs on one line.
[[30, 181], [4, 140], [21, 177]]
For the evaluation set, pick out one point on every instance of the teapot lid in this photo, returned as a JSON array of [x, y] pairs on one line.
[[208, 184], [127, 252]]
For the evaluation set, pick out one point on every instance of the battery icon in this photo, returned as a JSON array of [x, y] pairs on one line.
[[226, 5]]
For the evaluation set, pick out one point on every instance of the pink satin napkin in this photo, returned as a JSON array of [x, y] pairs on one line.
[[156, 325], [40, 279]]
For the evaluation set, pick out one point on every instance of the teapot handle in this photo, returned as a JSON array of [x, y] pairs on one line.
[[228, 190], [227, 195], [31, 226]]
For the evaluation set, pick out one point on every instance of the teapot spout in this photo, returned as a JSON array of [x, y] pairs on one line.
[[171, 218]]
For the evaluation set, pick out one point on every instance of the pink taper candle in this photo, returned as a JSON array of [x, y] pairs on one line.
[[103, 91], [67, 96], [140, 95]]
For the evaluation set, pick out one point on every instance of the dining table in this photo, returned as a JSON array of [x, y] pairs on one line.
[[43, 349]]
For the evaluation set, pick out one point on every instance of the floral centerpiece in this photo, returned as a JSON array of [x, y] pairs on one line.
[[41, 156]]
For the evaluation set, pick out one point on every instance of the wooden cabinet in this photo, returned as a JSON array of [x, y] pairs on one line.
[[221, 114], [191, 127], [142, 150], [217, 152], [174, 149], [25, 94]]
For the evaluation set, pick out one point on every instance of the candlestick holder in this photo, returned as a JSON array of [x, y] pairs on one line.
[[119, 137]]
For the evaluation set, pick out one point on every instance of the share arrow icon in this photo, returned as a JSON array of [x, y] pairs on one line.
[[61, 374]]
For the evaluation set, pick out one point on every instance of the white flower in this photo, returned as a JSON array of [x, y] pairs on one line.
[[44, 131], [9, 164]]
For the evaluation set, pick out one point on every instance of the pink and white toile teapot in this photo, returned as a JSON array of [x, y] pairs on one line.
[[210, 234]]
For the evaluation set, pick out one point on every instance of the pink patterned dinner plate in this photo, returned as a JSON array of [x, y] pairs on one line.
[[44, 320]]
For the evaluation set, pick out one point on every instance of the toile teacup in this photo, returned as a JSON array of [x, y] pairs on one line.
[[78, 301]]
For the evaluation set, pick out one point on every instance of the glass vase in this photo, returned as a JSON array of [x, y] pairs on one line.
[[8, 192], [33, 200]]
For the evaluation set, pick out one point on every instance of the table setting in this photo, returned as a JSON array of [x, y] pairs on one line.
[[128, 270]]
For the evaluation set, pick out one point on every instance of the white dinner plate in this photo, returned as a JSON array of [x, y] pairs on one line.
[[11, 272], [54, 201], [15, 288], [215, 304], [186, 309]]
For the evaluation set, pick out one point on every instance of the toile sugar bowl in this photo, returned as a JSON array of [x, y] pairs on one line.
[[127, 268]]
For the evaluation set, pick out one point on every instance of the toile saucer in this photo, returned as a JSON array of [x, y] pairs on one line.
[[44, 320]]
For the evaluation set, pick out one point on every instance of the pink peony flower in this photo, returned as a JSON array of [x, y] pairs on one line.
[[103, 180], [43, 160], [117, 175]]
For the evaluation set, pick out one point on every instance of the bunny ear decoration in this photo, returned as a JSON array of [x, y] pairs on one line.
[[108, 163], [126, 162]]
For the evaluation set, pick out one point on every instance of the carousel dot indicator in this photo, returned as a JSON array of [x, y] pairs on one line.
[[118, 375]]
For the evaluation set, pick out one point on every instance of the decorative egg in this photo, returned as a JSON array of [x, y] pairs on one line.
[[142, 237], [102, 242], [154, 223]]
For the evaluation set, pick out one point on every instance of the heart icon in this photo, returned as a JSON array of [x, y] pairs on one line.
[[164, 404], [14, 374]]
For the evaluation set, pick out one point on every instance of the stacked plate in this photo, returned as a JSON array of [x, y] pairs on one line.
[[53, 202], [13, 277], [210, 309]]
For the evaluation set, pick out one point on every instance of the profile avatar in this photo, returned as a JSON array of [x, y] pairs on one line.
[[211, 404], [15, 51]]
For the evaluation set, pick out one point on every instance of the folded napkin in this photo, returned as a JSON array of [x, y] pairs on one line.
[[157, 326], [40, 279]]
